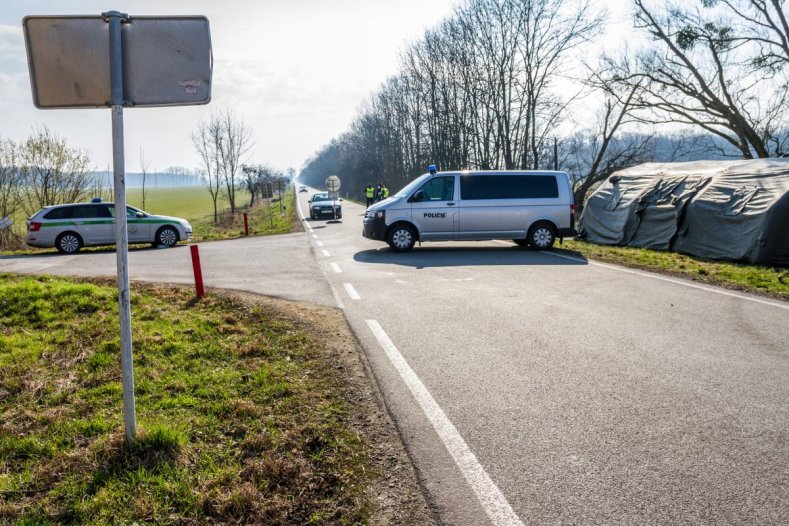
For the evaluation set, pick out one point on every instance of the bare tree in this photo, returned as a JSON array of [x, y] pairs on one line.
[[710, 72], [10, 189], [145, 163], [206, 139], [235, 141], [51, 172]]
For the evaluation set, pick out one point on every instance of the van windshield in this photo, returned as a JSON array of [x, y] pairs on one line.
[[412, 186]]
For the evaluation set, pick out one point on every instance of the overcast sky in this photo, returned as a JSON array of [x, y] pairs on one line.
[[296, 71]]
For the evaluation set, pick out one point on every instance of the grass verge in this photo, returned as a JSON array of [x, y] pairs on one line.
[[241, 421], [773, 282]]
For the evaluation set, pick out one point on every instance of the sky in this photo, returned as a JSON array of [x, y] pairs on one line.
[[295, 71]]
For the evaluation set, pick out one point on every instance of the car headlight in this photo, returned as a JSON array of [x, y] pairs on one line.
[[379, 214]]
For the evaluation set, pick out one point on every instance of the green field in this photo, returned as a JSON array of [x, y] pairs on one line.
[[243, 415], [192, 202]]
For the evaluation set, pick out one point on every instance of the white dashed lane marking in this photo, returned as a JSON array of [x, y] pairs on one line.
[[351, 291], [335, 267]]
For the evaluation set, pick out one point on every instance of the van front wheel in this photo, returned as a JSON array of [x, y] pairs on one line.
[[401, 238], [542, 236]]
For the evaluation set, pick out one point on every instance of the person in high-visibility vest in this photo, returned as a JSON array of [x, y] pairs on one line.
[[384, 192], [369, 192]]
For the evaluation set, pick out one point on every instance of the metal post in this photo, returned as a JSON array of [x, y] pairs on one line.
[[121, 233]]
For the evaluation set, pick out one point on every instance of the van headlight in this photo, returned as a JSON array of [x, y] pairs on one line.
[[379, 214]]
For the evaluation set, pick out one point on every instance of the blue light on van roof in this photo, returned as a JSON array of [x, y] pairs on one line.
[[96, 200], [431, 168]]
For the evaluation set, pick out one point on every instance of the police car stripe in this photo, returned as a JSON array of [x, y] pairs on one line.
[[106, 222]]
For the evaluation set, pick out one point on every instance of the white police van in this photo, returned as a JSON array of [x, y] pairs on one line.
[[532, 208], [72, 226]]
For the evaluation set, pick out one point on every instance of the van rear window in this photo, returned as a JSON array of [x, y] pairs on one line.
[[508, 187]]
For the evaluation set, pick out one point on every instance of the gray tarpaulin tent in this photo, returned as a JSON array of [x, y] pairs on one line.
[[731, 210]]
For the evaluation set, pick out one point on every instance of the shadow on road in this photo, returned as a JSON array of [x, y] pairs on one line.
[[47, 253], [465, 256]]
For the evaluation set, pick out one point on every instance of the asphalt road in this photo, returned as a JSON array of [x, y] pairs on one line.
[[570, 392], [537, 388]]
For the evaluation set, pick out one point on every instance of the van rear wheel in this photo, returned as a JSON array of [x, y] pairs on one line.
[[542, 236], [401, 238]]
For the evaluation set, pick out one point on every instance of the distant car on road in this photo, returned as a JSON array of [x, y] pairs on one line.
[[303, 189], [321, 206], [73, 226]]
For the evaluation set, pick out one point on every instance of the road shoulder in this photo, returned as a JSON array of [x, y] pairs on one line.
[[395, 493]]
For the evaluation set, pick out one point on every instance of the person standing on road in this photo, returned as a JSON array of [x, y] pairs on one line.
[[378, 192], [384, 191], [369, 192]]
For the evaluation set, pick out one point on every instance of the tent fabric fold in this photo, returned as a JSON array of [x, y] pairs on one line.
[[723, 210]]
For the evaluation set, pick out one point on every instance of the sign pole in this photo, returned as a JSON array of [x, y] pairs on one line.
[[121, 233]]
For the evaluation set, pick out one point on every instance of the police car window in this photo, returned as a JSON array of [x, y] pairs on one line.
[[438, 189], [91, 211], [64, 212]]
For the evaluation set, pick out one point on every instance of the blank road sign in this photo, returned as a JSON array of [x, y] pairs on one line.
[[166, 61]]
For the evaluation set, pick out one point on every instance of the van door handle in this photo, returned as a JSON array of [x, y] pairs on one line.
[[450, 204]]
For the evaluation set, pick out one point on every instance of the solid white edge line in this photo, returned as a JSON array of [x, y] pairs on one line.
[[493, 501], [671, 280], [663, 278], [336, 268], [351, 291], [326, 253]]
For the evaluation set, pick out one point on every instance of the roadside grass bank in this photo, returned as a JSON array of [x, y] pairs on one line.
[[766, 281], [242, 416]]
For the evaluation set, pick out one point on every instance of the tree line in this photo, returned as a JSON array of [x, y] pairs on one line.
[[497, 85]]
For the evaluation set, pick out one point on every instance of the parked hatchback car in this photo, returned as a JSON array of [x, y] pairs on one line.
[[73, 226], [322, 205]]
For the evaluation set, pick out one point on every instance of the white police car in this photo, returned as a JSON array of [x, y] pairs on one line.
[[73, 226]]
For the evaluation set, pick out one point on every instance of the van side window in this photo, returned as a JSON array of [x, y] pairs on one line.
[[438, 189], [508, 187]]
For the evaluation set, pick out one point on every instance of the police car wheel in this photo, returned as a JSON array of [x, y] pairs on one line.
[[401, 238], [68, 243], [541, 236], [167, 236]]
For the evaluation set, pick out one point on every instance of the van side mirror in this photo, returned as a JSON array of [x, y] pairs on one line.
[[309, 201], [417, 197], [139, 214]]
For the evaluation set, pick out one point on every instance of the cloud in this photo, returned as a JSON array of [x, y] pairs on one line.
[[12, 49]]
